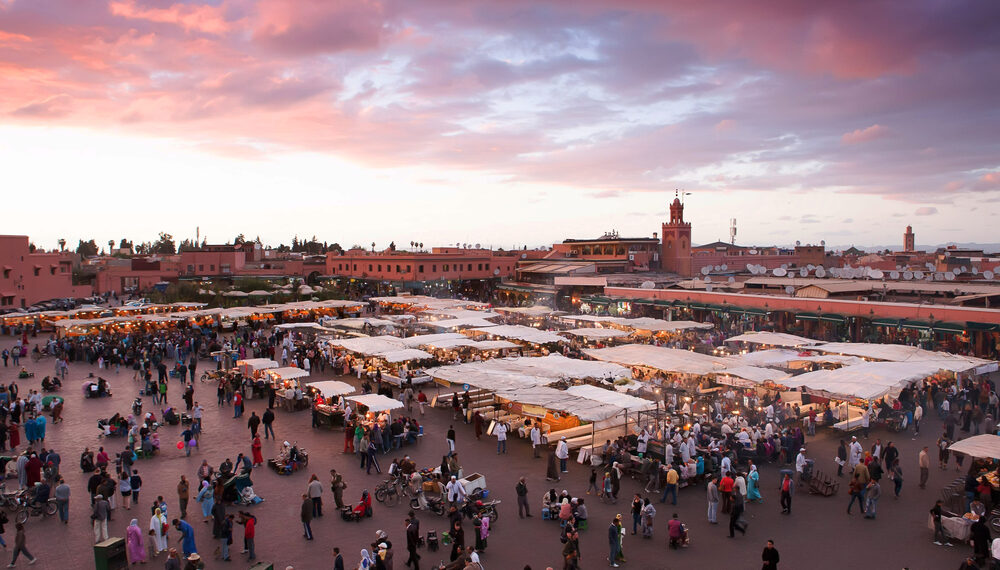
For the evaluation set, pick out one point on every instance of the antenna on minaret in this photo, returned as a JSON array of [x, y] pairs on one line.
[[732, 231]]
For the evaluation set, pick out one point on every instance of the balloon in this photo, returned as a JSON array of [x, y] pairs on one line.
[[180, 445], [192, 443]]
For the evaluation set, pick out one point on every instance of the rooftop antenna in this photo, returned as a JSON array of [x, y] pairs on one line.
[[732, 231]]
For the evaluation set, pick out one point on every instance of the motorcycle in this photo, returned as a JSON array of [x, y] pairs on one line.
[[137, 407], [29, 508], [434, 504]]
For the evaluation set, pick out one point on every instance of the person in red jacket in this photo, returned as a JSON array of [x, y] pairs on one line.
[[249, 523], [726, 489]]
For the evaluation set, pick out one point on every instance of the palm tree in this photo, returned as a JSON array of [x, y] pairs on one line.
[[62, 244], [111, 246], [373, 247]]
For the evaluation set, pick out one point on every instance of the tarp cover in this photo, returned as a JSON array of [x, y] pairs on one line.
[[868, 381], [332, 388], [405, 355], [527, 334], [979, 446], [660, 358], [772, 338], [902, 353], [376, 402], [288, 373], [596, 333], [257, 363]]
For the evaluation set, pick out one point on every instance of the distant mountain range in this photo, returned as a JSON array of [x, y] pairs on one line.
[[987, 247]]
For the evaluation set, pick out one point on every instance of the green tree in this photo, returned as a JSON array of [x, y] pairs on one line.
[[164, 245], [87, 248], [239, 240]]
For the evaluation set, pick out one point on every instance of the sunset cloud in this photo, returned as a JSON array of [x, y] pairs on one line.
[[864, 135]]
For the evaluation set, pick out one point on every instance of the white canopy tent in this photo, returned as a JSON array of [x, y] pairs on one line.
[[252, 365], [358, 323], [784, 358], [772, 339], [527, 334], [986, 445], [904, 353], [613, 398], [332, 388], [868, 381], [497, 373], [370, 345], [660, 358], [405, 355], [595, 333], [755, 374], [287, 373], [532, 311], [463, 323], [376, 402], [660, 325], [431, 339]]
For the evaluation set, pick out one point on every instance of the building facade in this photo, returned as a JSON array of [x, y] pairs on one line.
[[29, 277]]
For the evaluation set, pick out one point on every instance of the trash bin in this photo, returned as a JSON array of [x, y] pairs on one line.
[[110, 554]]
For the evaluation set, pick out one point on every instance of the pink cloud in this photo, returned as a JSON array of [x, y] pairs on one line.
[[319, 26], [864, 135], [926, 211], [725, 125], [200, 18]]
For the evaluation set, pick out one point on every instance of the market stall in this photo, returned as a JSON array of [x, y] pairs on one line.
[[325, 398], [285, 381]]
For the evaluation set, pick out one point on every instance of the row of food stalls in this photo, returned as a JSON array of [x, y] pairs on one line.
[[45, 320], [224, 319]]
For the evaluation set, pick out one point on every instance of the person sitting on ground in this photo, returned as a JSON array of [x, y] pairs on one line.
[[677, 532]]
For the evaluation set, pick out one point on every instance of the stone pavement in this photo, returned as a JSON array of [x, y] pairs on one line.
[[817, 535]]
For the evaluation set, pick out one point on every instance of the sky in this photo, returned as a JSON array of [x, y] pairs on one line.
[[502, 123]]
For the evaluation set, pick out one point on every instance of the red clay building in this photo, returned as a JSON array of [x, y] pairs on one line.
[[28, 278]]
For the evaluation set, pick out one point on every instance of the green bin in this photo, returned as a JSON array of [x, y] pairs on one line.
[[110, 554]]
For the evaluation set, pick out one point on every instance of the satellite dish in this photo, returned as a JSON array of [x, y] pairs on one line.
[[780, 272], [929, 265], [988, 274], [732, 280], [918, 274], [797, 243], [751, 268], [963, 269], [725, 267], [708, 279], [717, 268], [876, 274], [907, 275], [975, 271], [949, 276], [524, 256], [820, 272], [822, 242], [496, 272], [810, 267], [708, 288], [706, 270], [647, 285], [803, 272], [959, 270], [893, 275], [753, 252], [789, 289], [784, 266]]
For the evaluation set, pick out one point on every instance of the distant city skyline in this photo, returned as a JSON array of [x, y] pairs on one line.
[[498, 123]]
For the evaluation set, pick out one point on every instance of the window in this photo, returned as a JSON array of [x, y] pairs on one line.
[[355, 267], [52, 271], [211, 267], [201, 268], [6, 273], [62, 269], [470, 267], [398, 270], [369, 267], [434, 268], [480, 266], [224, 268], [190, 269], [446, 267], [36, 272], [487, 267], [420, 268], [380, 267], [407, 268]]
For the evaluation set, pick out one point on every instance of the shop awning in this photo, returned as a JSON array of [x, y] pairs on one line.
[[807, 317], [979, 446], [376, 402], [915, 325], [288, 373], [986, 327], [332, 388], [957, 328], [885, 322], [832, 318]]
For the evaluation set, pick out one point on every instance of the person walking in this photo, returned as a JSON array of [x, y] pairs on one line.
[[183, 495], [62, 500], [614, 542], [337, 485], [206, 496], [226, 537], [787, 488], [253, 423], [522, 498], [451, 440], [770, 556], [249, 523], [19, 546], [412, 541], [924, 461], [713, 500], [872, 494], [100, 514], [158, 528], [268, 420], [672, 480], [918, 414], [134, 543], [536, 440], [841, 458], [562, 453], [939, 537], [501, 432], [306, 515], [735, 515], [315, 491]]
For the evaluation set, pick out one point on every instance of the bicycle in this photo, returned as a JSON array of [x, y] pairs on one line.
[[389, 493]]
